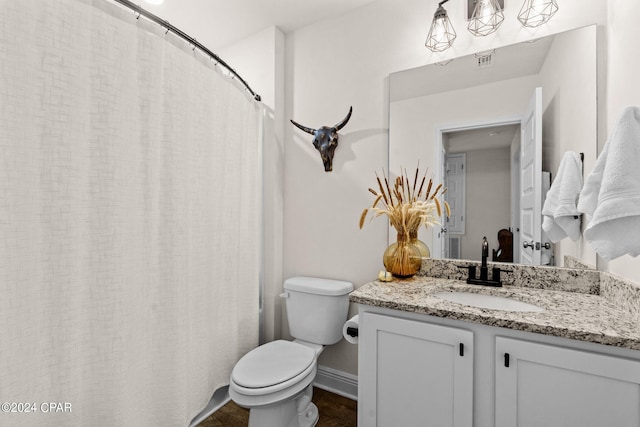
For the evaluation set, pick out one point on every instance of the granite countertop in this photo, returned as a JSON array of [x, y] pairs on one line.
[[574, 315]]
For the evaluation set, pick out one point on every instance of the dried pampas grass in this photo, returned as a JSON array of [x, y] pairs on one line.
[[405, 204]]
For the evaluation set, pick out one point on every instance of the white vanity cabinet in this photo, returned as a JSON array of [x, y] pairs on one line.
[[414, 373], [544, 385]]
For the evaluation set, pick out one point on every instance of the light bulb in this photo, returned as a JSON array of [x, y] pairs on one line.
[[487, 17], [441, 35]]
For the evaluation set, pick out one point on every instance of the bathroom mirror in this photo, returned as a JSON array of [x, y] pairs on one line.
[[468, 112]]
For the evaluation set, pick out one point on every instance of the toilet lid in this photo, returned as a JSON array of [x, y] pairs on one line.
[[272, 363]]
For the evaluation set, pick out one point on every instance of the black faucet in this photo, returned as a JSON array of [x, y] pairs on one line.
[[484, 276], [485, 254]]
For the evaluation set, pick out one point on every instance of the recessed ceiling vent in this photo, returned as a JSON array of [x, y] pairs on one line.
[[485, 59]]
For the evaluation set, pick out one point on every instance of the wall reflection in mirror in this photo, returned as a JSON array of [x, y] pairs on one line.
[[471, 122]]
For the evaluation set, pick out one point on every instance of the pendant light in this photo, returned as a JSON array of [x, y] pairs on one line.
[[537, 12], [487, 17], [441, 35]]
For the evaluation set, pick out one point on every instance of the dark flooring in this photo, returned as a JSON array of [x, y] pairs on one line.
[[335, 411]]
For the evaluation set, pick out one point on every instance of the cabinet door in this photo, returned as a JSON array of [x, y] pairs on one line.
[[414, 373], [544, 385]]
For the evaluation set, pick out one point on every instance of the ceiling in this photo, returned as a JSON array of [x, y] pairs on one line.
[[485, 138], [220, 23]]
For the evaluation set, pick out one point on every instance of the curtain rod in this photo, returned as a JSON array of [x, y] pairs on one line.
[[150, 16]]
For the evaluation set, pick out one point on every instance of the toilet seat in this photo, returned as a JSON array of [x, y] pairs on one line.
[[282, 370], [273, 366]]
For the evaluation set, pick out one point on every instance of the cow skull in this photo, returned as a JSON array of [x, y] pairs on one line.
[[325, 139]]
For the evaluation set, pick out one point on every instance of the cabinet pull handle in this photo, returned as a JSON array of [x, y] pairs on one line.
[[461, 350], [506, 360]]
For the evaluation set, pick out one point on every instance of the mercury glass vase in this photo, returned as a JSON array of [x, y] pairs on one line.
[[402, 259]]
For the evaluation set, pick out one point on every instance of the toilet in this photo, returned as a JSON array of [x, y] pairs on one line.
[[275, 380]]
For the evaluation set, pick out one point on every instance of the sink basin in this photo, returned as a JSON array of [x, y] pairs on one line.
[[491, 302]]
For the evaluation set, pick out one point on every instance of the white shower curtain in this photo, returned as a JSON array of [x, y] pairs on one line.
[[129, 219]]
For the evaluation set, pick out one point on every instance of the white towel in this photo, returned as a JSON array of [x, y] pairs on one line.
[[611, 194], [560, 211]]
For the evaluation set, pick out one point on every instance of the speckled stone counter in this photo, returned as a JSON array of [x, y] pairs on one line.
[[539, 277], [573, 262], [575, 315]]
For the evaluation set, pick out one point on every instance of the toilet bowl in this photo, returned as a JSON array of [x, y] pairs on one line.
[[275, 380]]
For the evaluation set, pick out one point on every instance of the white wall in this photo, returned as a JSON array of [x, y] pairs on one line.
[[267, 49], [569, 114], [623, 90], [331, 66]]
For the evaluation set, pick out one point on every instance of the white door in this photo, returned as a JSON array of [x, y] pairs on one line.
[[414, 374], [546, 251], [531, 181], [454, 180], [440, 234], [455, 183]]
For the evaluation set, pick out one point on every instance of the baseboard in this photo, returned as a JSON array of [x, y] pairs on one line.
[[338, 382]]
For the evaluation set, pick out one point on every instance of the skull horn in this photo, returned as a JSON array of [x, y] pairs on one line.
[[304, 128], [344, 121]]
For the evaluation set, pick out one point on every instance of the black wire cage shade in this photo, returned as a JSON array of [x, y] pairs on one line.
[[487, 17], [441, 34], [537, 12]]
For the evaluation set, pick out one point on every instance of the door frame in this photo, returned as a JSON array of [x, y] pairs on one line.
[[437, 245]]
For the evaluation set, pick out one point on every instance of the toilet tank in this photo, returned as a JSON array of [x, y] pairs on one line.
[[316, 308]]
